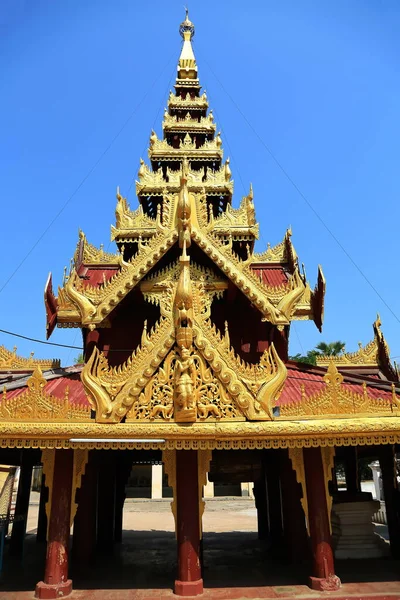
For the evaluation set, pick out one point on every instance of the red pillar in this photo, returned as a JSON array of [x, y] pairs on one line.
[[91, 340], [56, 582], [84, 538], [189, 582], [353, 484], [323, 577], [294, 523], [106, 489], [272, 472]]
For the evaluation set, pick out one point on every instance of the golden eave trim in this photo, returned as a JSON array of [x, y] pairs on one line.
[[288, 434]]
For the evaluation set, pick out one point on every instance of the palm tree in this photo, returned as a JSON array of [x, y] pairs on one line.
[[330, 349], [79, 359], [322, 349]]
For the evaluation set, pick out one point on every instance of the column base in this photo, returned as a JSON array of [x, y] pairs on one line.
[[48, 591], [188, 588], [322, 584]]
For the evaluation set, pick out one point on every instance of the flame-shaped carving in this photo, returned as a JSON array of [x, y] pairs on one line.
[[85, 306], [112, 390], [272, 387]]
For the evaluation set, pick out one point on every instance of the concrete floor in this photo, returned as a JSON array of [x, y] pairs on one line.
[[236, 563]]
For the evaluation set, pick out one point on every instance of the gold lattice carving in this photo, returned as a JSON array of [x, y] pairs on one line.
[[113, 390], [156, 402], [220, 435], [365, 355], [10, 361], [210, 149], [289, 299], [235, 221], [189, 123], [205, 180], [199, 102], [90, 255], [35, 404], [95, 303], [282, 253], [336, 400], [136, 222]]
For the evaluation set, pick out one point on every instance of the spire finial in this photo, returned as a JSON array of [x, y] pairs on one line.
[[186, 26]]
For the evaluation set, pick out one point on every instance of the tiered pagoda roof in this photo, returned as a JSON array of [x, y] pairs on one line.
[[186, 324]]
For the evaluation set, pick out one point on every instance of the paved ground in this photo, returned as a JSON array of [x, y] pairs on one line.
[[236, 564]]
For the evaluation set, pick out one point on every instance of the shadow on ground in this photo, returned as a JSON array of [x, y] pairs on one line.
[[147, 560]]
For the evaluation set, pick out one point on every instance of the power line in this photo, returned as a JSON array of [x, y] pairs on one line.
[[42, 235], [36, 341], [46, 343], [310, 206]]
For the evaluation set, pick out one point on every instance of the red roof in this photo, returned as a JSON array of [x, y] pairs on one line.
[[312, 378], [271, 276], [57, 387], [95, 277], [299, 374]]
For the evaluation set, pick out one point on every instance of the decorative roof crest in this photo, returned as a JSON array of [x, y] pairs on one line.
[[10, 361]]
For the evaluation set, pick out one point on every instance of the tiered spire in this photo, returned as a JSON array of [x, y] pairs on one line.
[[186, 161]]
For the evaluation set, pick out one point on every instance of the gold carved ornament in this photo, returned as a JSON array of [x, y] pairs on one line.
[[95, 303], [201, 378], [336, 400], [90, 255], [113, 389], [36, 405], [242, 276], [10, 361], [368, 355]]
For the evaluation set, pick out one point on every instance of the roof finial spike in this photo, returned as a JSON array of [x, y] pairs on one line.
[[186, 26]]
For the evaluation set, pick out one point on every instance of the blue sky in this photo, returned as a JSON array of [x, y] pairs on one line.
[[318, 81]]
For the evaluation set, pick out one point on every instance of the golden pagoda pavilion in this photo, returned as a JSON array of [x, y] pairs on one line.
[[185, 332]]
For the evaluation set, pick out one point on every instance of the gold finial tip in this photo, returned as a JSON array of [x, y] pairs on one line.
[[186, 25]]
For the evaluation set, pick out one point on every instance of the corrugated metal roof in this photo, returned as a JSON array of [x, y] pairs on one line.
[[57, 387], [271, 276], [95, 277], [313, 382]]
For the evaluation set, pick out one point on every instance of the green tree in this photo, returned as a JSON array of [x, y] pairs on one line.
[[79, 359], [321, 349], [330, 349], [309, 358]]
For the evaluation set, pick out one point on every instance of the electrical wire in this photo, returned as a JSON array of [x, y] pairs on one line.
[[295, 186], [64, 206], [45, 342]]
